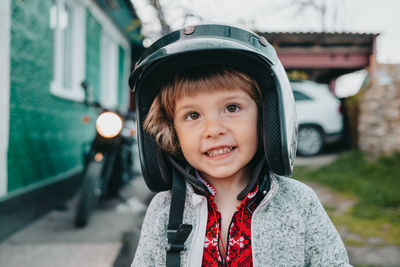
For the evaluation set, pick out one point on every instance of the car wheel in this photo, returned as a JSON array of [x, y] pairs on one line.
[[310, 141]]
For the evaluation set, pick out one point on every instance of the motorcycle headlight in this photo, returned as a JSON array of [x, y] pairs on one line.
[[108, 124]]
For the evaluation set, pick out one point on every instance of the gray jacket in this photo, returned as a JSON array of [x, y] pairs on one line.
[[289, 228]]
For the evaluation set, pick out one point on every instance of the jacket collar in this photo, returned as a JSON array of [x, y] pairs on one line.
[[267, 189]]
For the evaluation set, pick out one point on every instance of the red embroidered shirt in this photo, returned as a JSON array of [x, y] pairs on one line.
[[237, 251]]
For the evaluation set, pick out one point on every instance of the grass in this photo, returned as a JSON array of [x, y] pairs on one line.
[[375, 184], [365, 229]]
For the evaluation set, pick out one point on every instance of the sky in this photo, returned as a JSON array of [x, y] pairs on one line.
[[366, 16]]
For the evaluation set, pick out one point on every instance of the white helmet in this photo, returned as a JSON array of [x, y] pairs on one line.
[[220, 45]]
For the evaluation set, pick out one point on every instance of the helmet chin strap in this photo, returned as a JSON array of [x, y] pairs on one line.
[[256, 176], [188, 176]]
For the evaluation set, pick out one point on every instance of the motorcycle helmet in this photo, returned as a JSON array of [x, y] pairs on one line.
[[212, 44]]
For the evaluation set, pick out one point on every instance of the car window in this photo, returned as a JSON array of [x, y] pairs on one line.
[[300, 96]]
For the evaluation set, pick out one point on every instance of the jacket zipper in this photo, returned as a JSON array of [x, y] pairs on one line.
[[224, 262]]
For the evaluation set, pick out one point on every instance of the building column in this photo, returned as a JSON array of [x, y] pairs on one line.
[[5, 29]]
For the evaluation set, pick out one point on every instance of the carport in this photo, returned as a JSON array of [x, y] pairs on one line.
[[323, 56]]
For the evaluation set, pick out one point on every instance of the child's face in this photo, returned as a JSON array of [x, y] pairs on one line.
[[218, 132]]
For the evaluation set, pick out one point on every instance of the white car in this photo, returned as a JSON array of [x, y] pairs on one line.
[[319, 114]]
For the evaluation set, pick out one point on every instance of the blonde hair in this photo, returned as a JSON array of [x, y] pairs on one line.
[[159, 120]]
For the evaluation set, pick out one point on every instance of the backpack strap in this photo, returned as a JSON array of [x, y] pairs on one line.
[[177, 232]]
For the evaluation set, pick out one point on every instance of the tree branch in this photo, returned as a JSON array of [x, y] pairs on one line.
[[165, 28]]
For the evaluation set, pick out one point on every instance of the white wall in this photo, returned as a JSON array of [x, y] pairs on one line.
[[5, 20]]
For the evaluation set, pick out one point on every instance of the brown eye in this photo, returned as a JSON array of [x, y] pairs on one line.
[[192, 116], [232, 108]]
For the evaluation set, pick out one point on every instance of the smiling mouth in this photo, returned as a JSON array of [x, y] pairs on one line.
[[219, 151]]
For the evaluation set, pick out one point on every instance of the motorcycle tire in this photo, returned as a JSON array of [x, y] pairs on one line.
[[90, 193]]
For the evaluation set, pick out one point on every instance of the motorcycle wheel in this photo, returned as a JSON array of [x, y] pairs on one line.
[[90, 193]]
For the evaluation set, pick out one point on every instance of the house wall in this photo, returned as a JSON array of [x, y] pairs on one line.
[[43, 121], [123, 93], [4, 90], [46, 132]]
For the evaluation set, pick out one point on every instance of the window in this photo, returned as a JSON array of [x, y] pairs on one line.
[[300, 96], [109, 71], [67, 18], [114, 93]]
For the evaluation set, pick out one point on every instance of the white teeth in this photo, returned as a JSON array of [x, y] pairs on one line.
[[220, 151]]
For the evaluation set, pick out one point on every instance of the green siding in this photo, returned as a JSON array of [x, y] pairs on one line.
[[46, 132], [93, 33], [121, 78]]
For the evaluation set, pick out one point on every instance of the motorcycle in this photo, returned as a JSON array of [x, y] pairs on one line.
[[108, 161]]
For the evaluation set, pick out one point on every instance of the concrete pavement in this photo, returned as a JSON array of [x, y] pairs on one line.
[[53, 241]]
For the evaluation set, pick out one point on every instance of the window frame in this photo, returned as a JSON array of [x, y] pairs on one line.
[[5, 59], [75, 92]]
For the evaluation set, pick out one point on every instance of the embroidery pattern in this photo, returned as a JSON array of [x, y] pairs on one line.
[[238, 250]]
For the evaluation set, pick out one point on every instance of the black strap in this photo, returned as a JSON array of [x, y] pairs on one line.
[[177, 233]]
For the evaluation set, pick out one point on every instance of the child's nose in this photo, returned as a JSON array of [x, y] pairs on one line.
[[214, 128]]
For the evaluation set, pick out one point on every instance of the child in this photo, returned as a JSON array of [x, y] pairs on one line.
[[218, 104]]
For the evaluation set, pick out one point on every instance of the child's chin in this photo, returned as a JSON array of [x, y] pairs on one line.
[[219, 175]]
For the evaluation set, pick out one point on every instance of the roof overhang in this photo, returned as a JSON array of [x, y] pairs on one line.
[[324, 56]]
